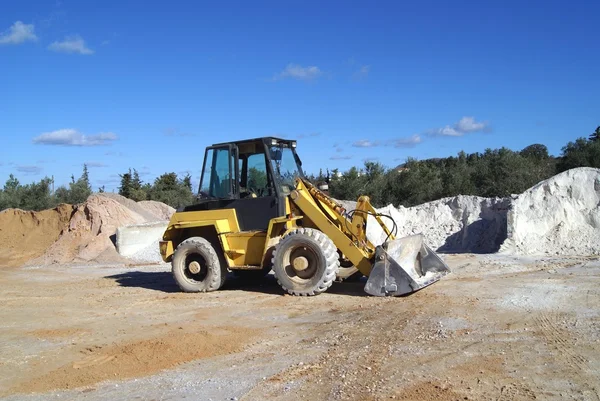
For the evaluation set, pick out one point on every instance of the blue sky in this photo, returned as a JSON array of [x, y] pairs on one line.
[[119, 84]]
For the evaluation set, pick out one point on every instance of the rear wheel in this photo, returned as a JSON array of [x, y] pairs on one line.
[[197, 267], [305, 262]]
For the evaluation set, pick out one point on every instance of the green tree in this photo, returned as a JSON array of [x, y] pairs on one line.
[[421, 182], [581, 153], [11, 196], [36, 196], [137, 191], [62, 195], [126, 186], [170, 190], [334, 174], [457, 176], [187, 181], [595, 136], [536, 151], [81, 188], [373, 183], [347, 186], [136, 182], [257, 179]]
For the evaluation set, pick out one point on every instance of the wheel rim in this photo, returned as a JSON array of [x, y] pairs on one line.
[[301, 263], [196, 269]]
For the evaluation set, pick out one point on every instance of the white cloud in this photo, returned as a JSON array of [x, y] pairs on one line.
[[71, 44], [113, 179], [72, 137], [296, 71], [340, 157], [29, 169], [18, 33], [312, 134], [364, 143], [407, 142], [466, 125], [96, 164], [362, 72]]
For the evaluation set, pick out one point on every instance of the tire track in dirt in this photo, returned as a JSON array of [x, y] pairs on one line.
[[351, 365], [565, 352], [557, 338], [511, 392]]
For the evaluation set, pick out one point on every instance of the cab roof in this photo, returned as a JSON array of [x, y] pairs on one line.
[[264, 139]]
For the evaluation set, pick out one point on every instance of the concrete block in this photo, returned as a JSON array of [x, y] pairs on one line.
[[134, 238]]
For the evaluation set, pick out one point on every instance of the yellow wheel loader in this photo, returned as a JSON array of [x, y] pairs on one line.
[[256, 212]]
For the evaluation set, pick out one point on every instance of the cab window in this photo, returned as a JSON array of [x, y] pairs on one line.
[[217, 179], [254, 178]]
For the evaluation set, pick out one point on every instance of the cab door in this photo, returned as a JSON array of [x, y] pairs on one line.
[[258, 202]]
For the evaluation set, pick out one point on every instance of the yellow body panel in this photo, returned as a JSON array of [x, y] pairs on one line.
[[252, 249], [186, 219], [242, 249], [246, 248], [223, 222]]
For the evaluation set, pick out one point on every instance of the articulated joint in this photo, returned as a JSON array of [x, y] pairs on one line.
[[364, 199]]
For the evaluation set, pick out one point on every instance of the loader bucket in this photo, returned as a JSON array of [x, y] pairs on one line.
[[403, 266]]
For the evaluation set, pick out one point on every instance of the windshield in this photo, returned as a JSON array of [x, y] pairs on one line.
[[284, 166]]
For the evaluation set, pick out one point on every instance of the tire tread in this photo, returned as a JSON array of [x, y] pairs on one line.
[[331, 257]]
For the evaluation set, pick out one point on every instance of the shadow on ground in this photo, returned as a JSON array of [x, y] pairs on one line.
[[164, 282], [157, 281]]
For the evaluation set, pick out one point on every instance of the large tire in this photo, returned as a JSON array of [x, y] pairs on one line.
[[315, 271], [211, 272]]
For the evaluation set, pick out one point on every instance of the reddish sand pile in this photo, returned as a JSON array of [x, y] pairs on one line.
[[26, 235], [77, 233], [158, 209]]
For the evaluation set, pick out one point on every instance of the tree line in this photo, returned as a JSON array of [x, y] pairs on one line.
[[167, 188], [495, 172], [40, 195]]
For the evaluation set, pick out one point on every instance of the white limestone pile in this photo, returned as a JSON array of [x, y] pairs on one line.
[[560, 215], [456, 224]]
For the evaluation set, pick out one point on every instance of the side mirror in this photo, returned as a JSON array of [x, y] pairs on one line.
[[202, 195], [275, 154]]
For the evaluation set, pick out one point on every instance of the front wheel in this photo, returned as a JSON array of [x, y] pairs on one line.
[[196, 266], [305, 262]]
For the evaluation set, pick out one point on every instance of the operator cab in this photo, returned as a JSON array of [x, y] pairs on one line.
[[252, 176]]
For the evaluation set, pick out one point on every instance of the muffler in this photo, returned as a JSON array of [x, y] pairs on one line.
[[403, 266]]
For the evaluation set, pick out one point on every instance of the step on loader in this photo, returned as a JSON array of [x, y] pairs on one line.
[[256, 212]]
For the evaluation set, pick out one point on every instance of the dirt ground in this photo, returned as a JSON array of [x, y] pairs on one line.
[[497, 328]]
